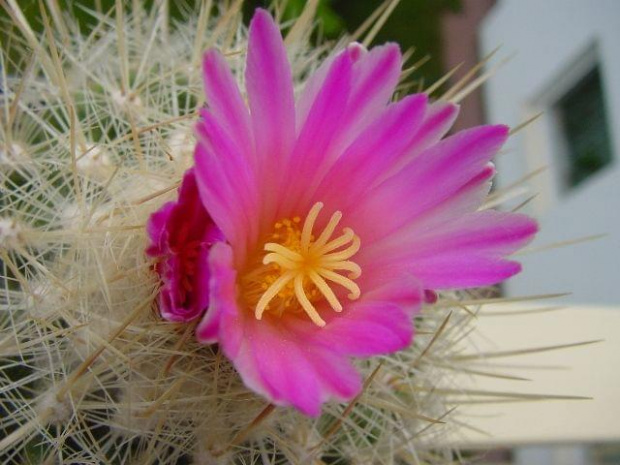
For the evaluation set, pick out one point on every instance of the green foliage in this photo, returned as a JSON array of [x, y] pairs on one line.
[[414, 24], [82, 10], [331, 24]]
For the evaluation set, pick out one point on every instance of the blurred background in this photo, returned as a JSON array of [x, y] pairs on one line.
[[564, 69]]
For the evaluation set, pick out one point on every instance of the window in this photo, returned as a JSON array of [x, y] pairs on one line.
[[584, 129]]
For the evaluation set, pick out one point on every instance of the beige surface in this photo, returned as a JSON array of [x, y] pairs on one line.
[[592, 371]]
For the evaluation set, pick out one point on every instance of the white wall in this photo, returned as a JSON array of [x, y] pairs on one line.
[[553, 39], [560, 455], [589, 371]]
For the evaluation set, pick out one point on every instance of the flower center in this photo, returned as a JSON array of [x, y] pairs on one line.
[[300, 268]]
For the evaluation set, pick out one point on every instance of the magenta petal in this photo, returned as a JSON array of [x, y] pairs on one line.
[[224, 322], [395, 286], [463, 253], [173, 306], [236, 167], [222, 294], [364, 329], [437, 121], [373, 152], [426, 214], [429, 181], [181, 234], [296, 372], [217, 195], [225, 101], [487, 232], [272, 106], [380, 323], [375, 76], [227, 181], [270, 89], [460, 272], [440, 171], [316, 82], [289, 377], [295, 345], [312, 150], [372, 328], [465, 200], [156, 229]]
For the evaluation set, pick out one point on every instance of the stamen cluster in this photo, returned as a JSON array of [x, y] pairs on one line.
[[300, 269]]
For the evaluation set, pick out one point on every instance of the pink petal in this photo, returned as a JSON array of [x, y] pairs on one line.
[[437, 121], [227, 181], [379, 323], [181, 234], [487, 232], [375, 76], [156, 229], [288, 374], [171, 308], [368, 329], [465, 200], [412, 199], [460, 272], [222, 290], [322, 123], [397, 287], [427, 182], [270, 89], [436, 231], [290, 360], [273, 361], [225, 101], [272, 107], [354, 52], [463, 253], [216, 194], [373, 152]]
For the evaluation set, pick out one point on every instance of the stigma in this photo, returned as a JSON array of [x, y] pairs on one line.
[[303, 267]]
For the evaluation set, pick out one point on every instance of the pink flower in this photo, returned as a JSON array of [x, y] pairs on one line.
[[341, 211], [181, 234]]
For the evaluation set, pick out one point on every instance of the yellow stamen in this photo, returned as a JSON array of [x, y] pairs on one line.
[[347, 236], [328, 231], [326, 291], [271, 292], [300, 269], [280, 249], [300, 293], [346, 253], [354, 268], [280, 260], [344, 282], [306, 232]]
